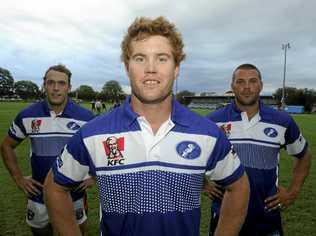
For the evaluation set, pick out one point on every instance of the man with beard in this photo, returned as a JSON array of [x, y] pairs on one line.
[[49, 124], [257, 133]]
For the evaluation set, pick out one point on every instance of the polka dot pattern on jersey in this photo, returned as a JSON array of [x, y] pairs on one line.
[[150, 191]]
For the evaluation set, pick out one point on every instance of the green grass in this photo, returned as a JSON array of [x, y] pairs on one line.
[[299, 219]]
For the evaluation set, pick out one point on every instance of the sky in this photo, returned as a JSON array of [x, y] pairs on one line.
[[218, 35]]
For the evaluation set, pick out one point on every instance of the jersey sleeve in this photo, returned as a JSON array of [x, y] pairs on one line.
[[295, 143], [17, 130], [74, 164], [224, 166]]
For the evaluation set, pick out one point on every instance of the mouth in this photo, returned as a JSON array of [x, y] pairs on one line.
[[151, 83]]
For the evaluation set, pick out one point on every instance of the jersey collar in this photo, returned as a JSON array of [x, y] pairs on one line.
[[179, 113]]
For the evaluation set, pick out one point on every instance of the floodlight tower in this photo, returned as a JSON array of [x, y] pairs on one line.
[[285, 47]]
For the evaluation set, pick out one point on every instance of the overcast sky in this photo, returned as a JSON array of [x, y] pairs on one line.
[[218, 35]]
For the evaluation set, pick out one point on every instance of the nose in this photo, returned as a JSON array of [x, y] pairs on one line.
[[150, 66]]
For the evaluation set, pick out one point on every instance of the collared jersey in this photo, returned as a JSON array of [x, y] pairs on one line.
[[258, 143], [48, 134], [148, 185]]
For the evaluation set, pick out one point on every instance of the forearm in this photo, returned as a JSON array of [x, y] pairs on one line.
[[60, 208], [234, 208], [10, 161], [300, 172]]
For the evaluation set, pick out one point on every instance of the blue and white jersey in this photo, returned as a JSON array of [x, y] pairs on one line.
[[48, 134], [258, 143], [148, 186]]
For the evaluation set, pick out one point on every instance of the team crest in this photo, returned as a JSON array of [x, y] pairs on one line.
[[188, 150], [73, 125], [270, 132], [113, 149], [226, 129], [35, 125]]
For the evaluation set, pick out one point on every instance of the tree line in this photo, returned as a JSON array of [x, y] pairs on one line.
[[112, 91], [25, 89]]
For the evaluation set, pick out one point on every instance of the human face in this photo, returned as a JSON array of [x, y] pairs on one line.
[[247, 87], [57, 87], [151, 69]]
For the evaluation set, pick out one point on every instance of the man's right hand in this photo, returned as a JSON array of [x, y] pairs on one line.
[[213, 190], [28, 185]]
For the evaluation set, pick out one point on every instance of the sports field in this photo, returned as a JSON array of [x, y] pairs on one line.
[[299, 219]]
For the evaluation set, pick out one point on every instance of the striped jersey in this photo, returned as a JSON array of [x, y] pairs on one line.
[[148, 184], [258, 143], [48, 134]]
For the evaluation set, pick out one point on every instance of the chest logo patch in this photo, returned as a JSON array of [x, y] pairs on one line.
[[73, 125], [35, 125], [226, 128], [113, 149], [270, 132], [188, 150]]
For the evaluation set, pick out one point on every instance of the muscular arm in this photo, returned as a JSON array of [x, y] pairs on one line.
[[286, 197], [234, 208], [60, 207], [26, 184]]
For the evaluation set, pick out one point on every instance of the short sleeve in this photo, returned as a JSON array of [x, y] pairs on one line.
[[224, 166], [73, 165], [295, 143]]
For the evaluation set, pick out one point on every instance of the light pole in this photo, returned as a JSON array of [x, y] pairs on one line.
[[285, 47]]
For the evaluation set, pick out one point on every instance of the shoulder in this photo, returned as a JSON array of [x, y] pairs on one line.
[[195, 123], [224, 114], [273, 116], [111, 122], [34, 110], [80, 112]]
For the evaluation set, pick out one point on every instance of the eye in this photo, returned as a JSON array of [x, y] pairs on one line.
[[162, 59], [50, 82], [62, 83], [240, 81], [139, 59]]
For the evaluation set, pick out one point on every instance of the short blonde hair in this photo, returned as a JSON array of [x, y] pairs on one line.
[[144, 27]]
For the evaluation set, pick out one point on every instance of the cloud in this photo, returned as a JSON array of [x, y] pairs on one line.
[[218, 35]]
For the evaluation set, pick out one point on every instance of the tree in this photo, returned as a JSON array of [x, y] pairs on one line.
[[86, 92], [181, 96], [26, 89], [112, 90], [293, 96], [6, 83]]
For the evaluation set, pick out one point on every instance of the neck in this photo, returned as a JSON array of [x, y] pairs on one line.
[[251, 110], [57, 108], [155, 114]]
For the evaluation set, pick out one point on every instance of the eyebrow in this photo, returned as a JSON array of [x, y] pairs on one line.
[[158, 54]]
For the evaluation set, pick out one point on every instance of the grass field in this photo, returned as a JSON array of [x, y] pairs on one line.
[[299, 219]]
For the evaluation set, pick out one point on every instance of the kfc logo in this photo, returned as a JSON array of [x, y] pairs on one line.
[[226, 129], [35, 125], [113, 149]]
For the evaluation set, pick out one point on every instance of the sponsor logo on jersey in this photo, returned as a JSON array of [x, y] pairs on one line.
[[79, 213], [270, 132], [188, 150], [73, 125], [30, 214], [226, 129], [113, 149], [59, 162], [12, 129], [35, 125]]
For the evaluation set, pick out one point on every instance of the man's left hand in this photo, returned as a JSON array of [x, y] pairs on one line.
[[281, 200]]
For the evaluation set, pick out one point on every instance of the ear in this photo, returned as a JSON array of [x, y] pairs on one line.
[[176, 71], [261, 85]]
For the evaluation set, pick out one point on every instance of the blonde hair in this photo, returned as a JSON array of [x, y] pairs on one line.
[[144, 27]]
